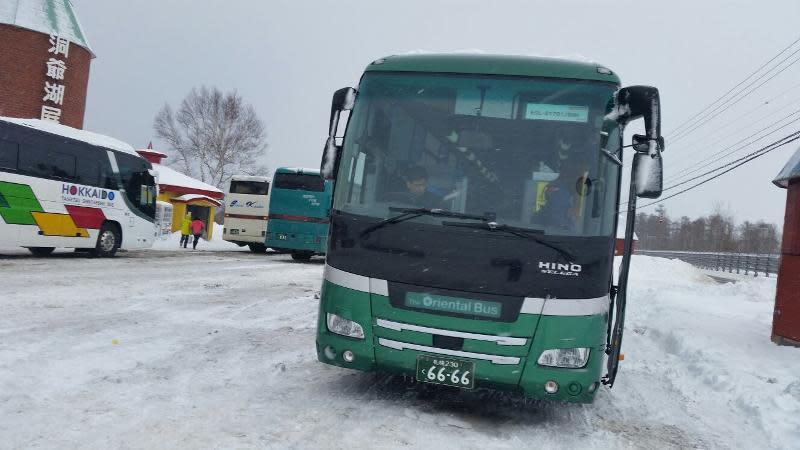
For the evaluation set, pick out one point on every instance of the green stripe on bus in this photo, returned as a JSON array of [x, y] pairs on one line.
[[19, 202]]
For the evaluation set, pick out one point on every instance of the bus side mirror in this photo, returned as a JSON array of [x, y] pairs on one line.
[[635, 102], [343, 100], [643, 102], [648, 173]]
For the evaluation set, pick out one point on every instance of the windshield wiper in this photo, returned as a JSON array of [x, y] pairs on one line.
[[527, 233], [412, 213]]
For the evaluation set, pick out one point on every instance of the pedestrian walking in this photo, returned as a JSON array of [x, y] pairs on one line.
[[185, 232], [197, 226]]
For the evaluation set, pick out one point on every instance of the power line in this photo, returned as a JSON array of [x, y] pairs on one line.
[[751, 158], [711, 159], [716, 111], [748, 113], [733, 88], [627, 158], [729, 163]]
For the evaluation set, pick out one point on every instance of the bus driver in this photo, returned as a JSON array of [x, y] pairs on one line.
[[416, 180]]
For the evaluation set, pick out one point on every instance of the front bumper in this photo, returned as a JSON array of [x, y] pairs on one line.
[[499, 367]]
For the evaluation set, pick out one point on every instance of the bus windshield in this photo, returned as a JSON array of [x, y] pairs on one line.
[[527, 152], [249, 187], [139, 184], [299, 182]]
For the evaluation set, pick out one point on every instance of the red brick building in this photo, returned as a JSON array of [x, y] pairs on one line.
[[786, 319], [44, 61]]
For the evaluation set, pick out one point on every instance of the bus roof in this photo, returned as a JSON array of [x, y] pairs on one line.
[[479, 63], [88, 137], [297, 170]]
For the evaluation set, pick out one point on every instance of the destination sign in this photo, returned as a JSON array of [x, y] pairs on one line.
[[559, 113]]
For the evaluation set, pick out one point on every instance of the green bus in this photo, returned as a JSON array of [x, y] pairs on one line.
[[299, 206], [473, 223]]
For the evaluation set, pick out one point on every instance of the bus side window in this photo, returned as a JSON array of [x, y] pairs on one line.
[[62, 165], [32, 161], [9, 151], [88, 172], [107, 178]]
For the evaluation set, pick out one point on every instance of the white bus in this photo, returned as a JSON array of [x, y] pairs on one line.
[[246, 210], [63, 187]]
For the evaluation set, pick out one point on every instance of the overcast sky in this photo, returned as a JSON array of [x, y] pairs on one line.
[[288, 57]]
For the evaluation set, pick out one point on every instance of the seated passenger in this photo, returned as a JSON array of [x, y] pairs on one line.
[[417, 194], [562, 208]]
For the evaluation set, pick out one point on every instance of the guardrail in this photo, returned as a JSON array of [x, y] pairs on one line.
[[740, 263]]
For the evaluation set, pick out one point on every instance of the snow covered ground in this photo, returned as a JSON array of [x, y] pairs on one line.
[[215, 349]]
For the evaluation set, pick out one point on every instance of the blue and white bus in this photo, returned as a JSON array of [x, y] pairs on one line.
[[246, 206]]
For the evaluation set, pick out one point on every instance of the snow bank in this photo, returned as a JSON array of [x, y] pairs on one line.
[[710, 345]]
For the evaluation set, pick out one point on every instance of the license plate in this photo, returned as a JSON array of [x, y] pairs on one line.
[[447, 371], [281, 236]]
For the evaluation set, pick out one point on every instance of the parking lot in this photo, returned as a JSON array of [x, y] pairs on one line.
[[215, 349]]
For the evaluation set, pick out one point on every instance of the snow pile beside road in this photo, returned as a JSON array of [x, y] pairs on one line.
[[710, 345]]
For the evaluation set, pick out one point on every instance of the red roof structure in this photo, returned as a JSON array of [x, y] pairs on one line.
[[170, 180], [786, 318]]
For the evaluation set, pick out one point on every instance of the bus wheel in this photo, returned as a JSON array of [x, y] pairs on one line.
[[107, 241], [41, 251], [302, 256], [257, 248]]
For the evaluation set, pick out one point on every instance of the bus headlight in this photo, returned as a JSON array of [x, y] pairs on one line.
[[344, 327], [571, 358]]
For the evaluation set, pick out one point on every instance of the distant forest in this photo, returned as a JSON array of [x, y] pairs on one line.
[[716, 232]]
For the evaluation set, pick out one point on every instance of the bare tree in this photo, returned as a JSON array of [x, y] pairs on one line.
[[716, 232], [213, 135]]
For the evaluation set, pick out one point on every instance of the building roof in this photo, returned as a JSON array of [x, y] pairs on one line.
[[45, 16], [73, 133], [168, 176], [790, 172], [480, 63], [150, 151], [186, 198], [151, 155]]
